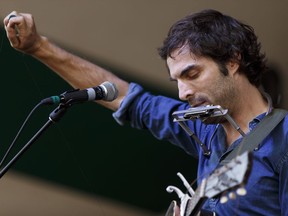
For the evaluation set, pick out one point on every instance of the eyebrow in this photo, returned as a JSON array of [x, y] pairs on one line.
[[186, 70]]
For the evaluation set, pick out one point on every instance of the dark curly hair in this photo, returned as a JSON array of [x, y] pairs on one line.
[[212, 34]]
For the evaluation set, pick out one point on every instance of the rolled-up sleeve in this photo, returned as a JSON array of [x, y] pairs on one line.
[[121, 115]]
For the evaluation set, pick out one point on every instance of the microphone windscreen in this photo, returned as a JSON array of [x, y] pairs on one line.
[[111, 92]]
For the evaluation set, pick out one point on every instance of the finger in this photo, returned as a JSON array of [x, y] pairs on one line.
[[13, 38], [9, 16], [15, 25], [12, 20], [11, 28]]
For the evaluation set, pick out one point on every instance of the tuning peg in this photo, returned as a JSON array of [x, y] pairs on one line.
[[241, 191], [186, 184], [232, 195], [171, 189], [223, 199]]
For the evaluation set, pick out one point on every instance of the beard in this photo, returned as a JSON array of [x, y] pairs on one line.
[[222, 92], [213, 120]]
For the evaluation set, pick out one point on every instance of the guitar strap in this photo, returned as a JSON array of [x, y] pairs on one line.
[[255, 137]]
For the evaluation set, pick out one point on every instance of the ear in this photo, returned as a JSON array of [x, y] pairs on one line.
[[232, 67]]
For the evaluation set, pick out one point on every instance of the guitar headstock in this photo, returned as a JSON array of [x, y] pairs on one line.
[[229, 176]]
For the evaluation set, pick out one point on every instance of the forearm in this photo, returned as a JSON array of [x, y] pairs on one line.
[[77, 71]]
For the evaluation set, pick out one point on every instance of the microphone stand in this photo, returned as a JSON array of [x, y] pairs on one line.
[[54, 116]]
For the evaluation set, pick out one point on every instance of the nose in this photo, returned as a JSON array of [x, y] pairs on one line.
[[184, 90]]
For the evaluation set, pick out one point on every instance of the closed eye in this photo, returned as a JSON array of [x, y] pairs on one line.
[[191, 72], [192, 75]]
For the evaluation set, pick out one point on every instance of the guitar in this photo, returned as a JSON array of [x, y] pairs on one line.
[[229, 176]]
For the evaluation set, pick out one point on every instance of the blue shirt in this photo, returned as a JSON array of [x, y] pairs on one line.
[[267, 185]]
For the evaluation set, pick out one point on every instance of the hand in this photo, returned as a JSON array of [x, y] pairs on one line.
[[21, 32]]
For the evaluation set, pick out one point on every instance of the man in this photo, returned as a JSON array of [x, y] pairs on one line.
[[215, 60]]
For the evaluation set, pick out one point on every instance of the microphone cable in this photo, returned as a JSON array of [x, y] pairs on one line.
[[43, 102]]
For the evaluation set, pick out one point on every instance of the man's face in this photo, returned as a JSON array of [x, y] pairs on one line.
[[200, 81]]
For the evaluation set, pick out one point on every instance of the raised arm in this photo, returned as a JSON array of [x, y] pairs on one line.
[[78, 72]]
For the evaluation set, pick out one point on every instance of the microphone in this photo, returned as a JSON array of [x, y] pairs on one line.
[[107, 91]]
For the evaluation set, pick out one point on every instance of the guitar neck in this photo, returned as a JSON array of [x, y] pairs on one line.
[[197, 200]]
